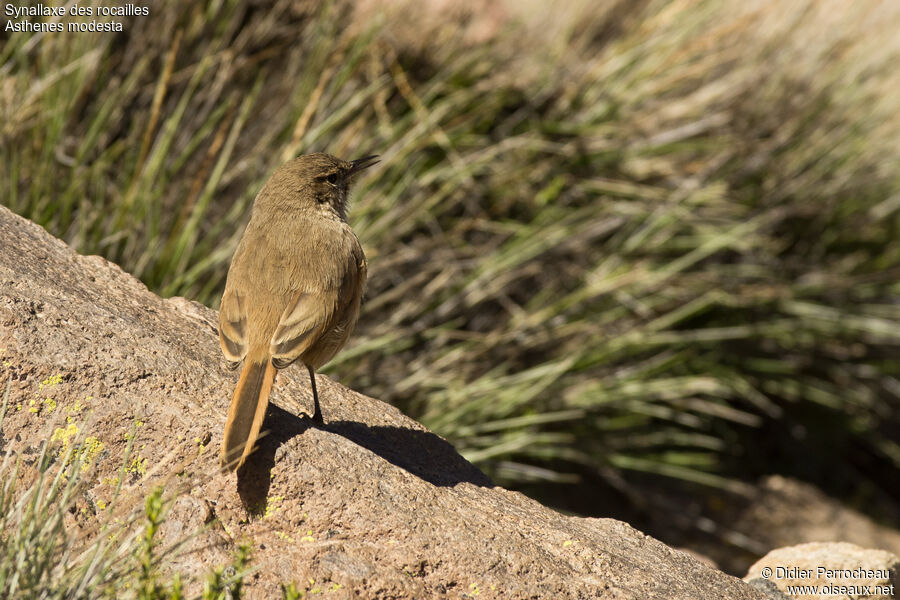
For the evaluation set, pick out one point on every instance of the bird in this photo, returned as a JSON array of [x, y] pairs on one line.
[[293, 288]]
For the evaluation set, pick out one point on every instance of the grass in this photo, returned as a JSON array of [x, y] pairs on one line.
[[655, 240], [40, 557]]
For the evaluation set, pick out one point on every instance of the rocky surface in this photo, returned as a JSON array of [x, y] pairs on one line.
[[372, 505], [836, 570], [778, 512], [786, 511]]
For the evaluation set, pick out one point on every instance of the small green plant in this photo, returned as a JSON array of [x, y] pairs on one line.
[[289, 592], [39, 558], [148, 587], [228, 582]]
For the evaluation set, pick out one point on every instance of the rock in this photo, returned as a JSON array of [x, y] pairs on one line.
[[781, 511], [786, 511], [768, 588], [835, 570], [706, 560], [372, 505]]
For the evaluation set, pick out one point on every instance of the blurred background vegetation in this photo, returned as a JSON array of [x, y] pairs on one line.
[[627, 256]]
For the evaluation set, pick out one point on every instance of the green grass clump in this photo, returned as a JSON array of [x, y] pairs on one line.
[[659, 238], [41, 558]]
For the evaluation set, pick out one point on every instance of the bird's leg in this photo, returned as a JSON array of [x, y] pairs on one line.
[[317, 415]]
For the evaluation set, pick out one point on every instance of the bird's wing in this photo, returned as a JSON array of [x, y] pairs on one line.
[[301, 325], [328, 312], [233, 327], [353, 287]]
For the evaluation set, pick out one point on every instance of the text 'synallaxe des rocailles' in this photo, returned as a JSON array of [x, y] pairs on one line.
[[74, 18]]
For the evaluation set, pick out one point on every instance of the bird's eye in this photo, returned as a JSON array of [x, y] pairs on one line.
[[332, 178]]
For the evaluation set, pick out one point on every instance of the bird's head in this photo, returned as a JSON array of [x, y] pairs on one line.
[[318, 182]]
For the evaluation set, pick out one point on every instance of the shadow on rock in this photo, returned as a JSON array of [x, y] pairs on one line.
[[421, 453], [255, 475]]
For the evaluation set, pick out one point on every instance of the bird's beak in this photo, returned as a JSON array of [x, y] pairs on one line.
[[362, 163]]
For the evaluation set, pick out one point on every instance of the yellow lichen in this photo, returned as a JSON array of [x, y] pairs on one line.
[[138, 466], [284, 536], [90, 448], [52, 381], [273, 505], [64, 435]]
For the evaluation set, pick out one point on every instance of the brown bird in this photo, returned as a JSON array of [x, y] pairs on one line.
[[293, 289]]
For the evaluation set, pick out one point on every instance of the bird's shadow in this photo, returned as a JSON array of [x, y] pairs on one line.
[[420, 453]]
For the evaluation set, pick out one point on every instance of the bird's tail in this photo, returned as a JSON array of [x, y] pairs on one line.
[[245, 417]]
